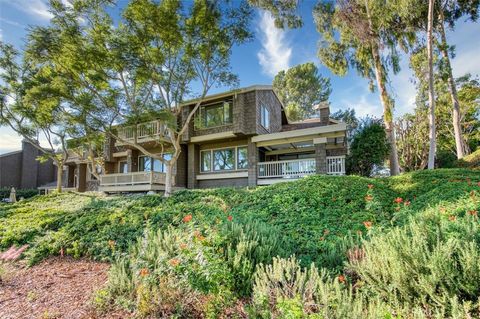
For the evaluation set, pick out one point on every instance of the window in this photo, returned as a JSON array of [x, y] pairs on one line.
[[242, 159], [215, 115], [146, 164], [265, 117], [206, 159], [123, 167], [226, 159]]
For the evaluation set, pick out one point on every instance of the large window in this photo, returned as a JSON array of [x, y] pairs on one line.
[[225, 159], [215, 115], [123, 167], [147, 164], [265, 117]]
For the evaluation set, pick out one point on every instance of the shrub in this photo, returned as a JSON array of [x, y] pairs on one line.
[[25, 193]]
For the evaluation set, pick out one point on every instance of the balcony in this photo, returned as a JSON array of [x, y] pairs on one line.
[[142, 133], [277, 171], [131, 182]]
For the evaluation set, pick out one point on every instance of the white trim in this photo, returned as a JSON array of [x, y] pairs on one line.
[[320, 140], [211, 137], [222, 175], [120, 154], [301, 132]]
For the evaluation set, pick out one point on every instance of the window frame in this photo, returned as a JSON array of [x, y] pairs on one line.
[[235, 159], [120, 167], [199, 123], [152, 161], [264, 117]]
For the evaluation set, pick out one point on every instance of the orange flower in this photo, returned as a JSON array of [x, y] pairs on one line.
[[452, 218], [370, 186], [407, 203], [367, 224], [198, 235], [322, 238], [230, 218], [398, 200], [144, 272], [473, 212], [341, 278], [174, 262], [187, 218], [183, 246], [368, 197]]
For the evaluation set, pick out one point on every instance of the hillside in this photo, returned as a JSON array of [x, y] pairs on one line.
[[320, 219]]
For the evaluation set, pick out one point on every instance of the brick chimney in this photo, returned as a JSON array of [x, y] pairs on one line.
[[324, 112]]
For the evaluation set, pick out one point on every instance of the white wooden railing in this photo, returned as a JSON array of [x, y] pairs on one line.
[[291, 168], [144, 131], [133, 178], [336, 165], [298, 168]]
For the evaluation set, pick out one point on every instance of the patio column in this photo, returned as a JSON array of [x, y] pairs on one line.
[[252, 163], [320, 154], [193, 165], [82, 177]]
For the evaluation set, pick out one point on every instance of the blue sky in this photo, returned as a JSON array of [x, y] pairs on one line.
[[271, 51]]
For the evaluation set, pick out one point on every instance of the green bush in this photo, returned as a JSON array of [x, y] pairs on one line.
[[25, 193]]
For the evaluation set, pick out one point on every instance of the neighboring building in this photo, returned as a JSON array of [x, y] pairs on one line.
[[238, 138], [22, 170]]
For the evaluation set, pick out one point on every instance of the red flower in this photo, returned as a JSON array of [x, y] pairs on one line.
[[452, 218], [174, 262], [370, 186], [407, 203], [367, 224], [183, 246], [341, 278], [187, 218], [322, 238], [398, 200], [144, 272], [230, 218], [368, 198], [473, 212]]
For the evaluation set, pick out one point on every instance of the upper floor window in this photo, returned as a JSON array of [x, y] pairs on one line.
[[215, 115], [265, 117]]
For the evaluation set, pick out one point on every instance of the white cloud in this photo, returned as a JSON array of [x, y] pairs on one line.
[[9, 141], [35, 8], [276, 52]]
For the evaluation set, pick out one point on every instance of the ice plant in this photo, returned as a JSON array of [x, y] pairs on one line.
[[368, 198], [144, 272], [183, 246], [473, 212], [452, 218], [367, 224], [230, 218], [370, 186], [407, 203], [341, 278], [187, 218], [174, 262]]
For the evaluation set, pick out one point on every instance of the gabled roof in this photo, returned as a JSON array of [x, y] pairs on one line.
[[10, 153]]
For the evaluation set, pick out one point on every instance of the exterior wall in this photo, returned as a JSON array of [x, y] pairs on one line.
[[22, 170], [337, 151], [321, 158], [181, 168], [230, 182], [270, 101], [325, 116]]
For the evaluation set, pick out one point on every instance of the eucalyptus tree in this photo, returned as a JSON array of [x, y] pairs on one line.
[[431, 90], [300, 88], [31, 107], [158, 55], [364, 35]]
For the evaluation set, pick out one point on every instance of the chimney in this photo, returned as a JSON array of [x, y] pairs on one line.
[[324, 112]]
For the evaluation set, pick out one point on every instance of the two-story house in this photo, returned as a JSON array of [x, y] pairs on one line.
[[238, 138]]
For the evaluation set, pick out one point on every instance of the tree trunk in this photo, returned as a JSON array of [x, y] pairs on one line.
[[431, 90], [459, 141], [59, 177], [168, 178], [387, 112]]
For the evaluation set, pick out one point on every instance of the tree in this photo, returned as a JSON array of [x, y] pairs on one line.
[[347, 116], [29, 105], [283, 11], [431, 91], [300, 88], [368, 149], [159, 55], [364, 35]]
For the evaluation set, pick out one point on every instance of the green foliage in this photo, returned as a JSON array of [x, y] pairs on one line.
[[300, 89], [470, 161], [369, 148], [25, 193]]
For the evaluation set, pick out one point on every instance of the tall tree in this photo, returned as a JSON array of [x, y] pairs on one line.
[[300, 88], [29, 105], [364, 35], [431, 90], [159, 55]]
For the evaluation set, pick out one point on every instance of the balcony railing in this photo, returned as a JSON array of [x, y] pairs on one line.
[[300, 167], [336, 165], [134, 178], [290, 168], [145, 131]]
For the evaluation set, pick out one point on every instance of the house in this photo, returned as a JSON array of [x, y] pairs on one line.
[[237, 138], [22, 170]]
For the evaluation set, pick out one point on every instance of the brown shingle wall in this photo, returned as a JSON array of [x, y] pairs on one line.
[[228, 182], [10, 170], [269, 100]]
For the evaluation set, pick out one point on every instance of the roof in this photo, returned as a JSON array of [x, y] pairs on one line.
[[307, 123], [257, 87], [10, 153]]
